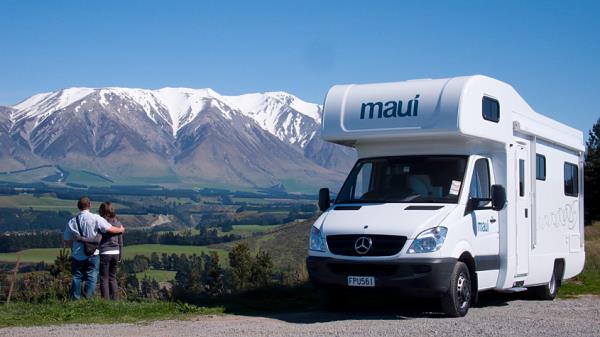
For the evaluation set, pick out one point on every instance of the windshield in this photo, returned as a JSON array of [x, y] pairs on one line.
[[405, 179]]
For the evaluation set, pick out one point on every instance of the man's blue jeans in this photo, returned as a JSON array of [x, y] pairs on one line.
[[84, 271]]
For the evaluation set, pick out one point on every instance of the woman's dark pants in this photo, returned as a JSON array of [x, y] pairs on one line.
[[108, 276]]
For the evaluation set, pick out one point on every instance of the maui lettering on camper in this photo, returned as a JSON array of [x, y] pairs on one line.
[[389, 109]]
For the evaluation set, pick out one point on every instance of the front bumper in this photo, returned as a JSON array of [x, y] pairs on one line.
[[422, 277]]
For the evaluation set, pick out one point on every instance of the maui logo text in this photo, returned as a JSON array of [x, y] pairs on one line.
[[389, 109]]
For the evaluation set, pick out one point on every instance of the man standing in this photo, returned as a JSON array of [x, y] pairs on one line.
[[85, 268]]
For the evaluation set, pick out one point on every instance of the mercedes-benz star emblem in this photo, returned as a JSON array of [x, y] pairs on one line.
[[363, 245]]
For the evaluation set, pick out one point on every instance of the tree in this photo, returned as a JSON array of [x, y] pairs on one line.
[[164, 261], [149, 288], [592, 174], [226, 227], [62, 264], [262, 269], [240, 262], [155, 261], [214, 275], [132, 286]]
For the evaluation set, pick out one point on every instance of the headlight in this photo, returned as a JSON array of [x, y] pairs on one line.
[[316, 240], [429, 240]]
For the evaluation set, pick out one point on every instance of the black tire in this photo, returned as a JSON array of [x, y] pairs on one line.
[[457, 301], [547, 292]]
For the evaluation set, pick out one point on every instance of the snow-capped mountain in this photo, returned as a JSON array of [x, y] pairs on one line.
[[194, 135]]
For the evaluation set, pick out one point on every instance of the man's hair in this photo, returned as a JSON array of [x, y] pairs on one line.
[[106, 210], [84, 203]]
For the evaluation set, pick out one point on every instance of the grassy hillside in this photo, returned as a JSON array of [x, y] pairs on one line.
[[588, 282], [48, 255], [287, 244]]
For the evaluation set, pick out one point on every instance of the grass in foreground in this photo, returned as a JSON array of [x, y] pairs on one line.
[[26, 314], [588, 282]]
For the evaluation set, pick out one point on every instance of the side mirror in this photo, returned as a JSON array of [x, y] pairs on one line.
[[498, 197], [324, 201]]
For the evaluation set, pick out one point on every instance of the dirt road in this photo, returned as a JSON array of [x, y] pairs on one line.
[[576, 317]]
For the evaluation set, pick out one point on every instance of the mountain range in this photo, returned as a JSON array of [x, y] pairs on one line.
[[174, 136]]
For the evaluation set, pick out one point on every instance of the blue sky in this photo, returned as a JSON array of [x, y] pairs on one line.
[[548, 51]]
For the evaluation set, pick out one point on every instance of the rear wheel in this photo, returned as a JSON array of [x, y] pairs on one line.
[[457, 301], [547, 292]]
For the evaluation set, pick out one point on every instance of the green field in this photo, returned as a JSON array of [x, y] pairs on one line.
[[45, 203], [158, 275], [28, 175], [248, 230], [241, 230], [48, 255], [87, 178]]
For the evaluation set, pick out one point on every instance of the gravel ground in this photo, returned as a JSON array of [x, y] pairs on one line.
[[575, 317]]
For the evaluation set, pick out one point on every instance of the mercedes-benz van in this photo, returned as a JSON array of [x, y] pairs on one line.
[[460, 187]]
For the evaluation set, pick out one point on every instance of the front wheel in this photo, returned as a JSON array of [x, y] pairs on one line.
[[457, 301]]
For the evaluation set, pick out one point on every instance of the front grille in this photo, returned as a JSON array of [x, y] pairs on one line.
[[383, 245]]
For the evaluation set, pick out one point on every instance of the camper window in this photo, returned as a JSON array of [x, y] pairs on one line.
[[540, 167], [490, 109], [571, 180]]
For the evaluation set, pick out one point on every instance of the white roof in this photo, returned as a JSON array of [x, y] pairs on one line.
[[435, 109]]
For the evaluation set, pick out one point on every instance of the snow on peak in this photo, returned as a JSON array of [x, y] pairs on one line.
[[271, 102], [283, 115], [279, 113], [52, 100], [45, 104], [175, 106]]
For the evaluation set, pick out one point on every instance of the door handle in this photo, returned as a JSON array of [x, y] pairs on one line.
[[492, 220], [526, 213]]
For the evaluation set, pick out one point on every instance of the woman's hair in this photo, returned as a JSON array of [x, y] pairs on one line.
[[106, 210]]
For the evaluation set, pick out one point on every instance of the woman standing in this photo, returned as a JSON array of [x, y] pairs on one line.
[[111, 249]]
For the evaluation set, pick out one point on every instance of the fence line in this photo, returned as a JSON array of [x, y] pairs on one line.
[[14, 278]]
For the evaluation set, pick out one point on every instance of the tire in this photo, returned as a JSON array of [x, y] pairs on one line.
[[548, 291], [457, 301]]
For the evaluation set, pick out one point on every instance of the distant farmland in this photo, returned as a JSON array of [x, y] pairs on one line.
[[48, 255]]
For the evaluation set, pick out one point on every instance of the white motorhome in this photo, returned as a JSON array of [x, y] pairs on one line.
[[460, 187]]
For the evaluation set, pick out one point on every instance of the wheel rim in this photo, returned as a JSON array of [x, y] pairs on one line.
[[552, 284], [463, 291]]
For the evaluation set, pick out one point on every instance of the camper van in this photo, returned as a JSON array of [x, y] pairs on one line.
[[459, 187]]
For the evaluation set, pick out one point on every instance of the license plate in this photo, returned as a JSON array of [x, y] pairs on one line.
[[361, 281]]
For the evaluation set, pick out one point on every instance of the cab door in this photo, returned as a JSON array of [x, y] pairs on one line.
[[484, 225]]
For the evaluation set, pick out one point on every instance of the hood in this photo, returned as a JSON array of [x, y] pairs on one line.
[[389, 219]]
